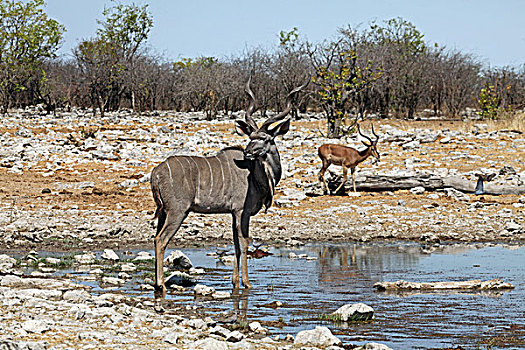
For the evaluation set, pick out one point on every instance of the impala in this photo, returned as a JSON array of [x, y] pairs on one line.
[[236, 181], [347, 157]]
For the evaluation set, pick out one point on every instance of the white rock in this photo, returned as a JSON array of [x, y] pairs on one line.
[[85, 259], [141, 256], [76, 296], [113, 281], [320, 337], [52, 261], [411, 145], [221, 295], [417, 190], [257, 327], [235, 337], [178, 260], [195, 271], [201, 289], [221, 331], [355, 312], [208, 344], [171, 338], [35, 326], [513, 226], [109, 254], [128, 267]]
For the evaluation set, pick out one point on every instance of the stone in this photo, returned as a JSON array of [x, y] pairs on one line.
[[77, 296], [457, 195], [85, 259], [109, 254], [178, 260], [52, 261], [235, 337], [221, 295], [221, 331], [171, 338], [209, 344], [143, 256], [128, 267], [22, 345], [355, 312], [513, 226], [256, 327], [201, 289], [417, 190], [113, 281], [35, 326], [6, 263], [320, 337], [411, 145]]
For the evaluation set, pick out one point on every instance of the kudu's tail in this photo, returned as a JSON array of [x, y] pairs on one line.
[[156, 195]]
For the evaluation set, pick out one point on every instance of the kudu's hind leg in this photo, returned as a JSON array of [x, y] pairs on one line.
[[172, 222]]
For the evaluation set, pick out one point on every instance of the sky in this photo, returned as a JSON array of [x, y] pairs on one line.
[[492, 31]]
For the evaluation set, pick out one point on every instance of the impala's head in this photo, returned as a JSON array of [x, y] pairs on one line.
[[372, 145], [262, 139]]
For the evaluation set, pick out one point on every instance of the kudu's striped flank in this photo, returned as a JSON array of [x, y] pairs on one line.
[[234, 181]]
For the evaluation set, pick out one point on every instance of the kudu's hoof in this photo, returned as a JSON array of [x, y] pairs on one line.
[[160, 291]]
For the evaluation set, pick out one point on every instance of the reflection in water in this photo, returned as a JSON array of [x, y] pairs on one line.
[[240, 303]]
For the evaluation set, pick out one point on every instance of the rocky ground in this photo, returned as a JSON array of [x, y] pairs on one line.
[[74, 182]]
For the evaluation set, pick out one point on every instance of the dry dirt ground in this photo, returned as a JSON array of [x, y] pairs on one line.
[[316, 218]]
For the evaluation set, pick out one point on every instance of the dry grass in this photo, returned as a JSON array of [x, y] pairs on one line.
[[508, 121]]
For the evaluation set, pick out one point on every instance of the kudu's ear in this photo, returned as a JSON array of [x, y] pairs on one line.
[[243, 128], [280, 129]]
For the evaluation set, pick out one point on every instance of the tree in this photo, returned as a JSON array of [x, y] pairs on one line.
[[101, 70], [27, 37], [403, 58], [341, 75], [108, 60], [127, 28]]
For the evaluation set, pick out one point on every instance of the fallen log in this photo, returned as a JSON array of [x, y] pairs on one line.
[[429, 182], [493, 284]]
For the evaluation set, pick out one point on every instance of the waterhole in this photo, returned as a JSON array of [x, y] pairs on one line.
[[291, 294]]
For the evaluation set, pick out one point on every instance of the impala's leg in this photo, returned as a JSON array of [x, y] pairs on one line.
[[245, 239], [345, 173], [236, 225], [321, 175], [171, 223], [353, 177]]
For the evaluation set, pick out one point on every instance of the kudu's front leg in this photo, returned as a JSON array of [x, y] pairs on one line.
[[245, 239], [236, 226]]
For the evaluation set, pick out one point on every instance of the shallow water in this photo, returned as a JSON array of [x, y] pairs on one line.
[[345, 273]]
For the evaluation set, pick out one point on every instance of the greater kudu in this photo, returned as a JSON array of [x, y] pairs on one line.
[[234, 181]]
